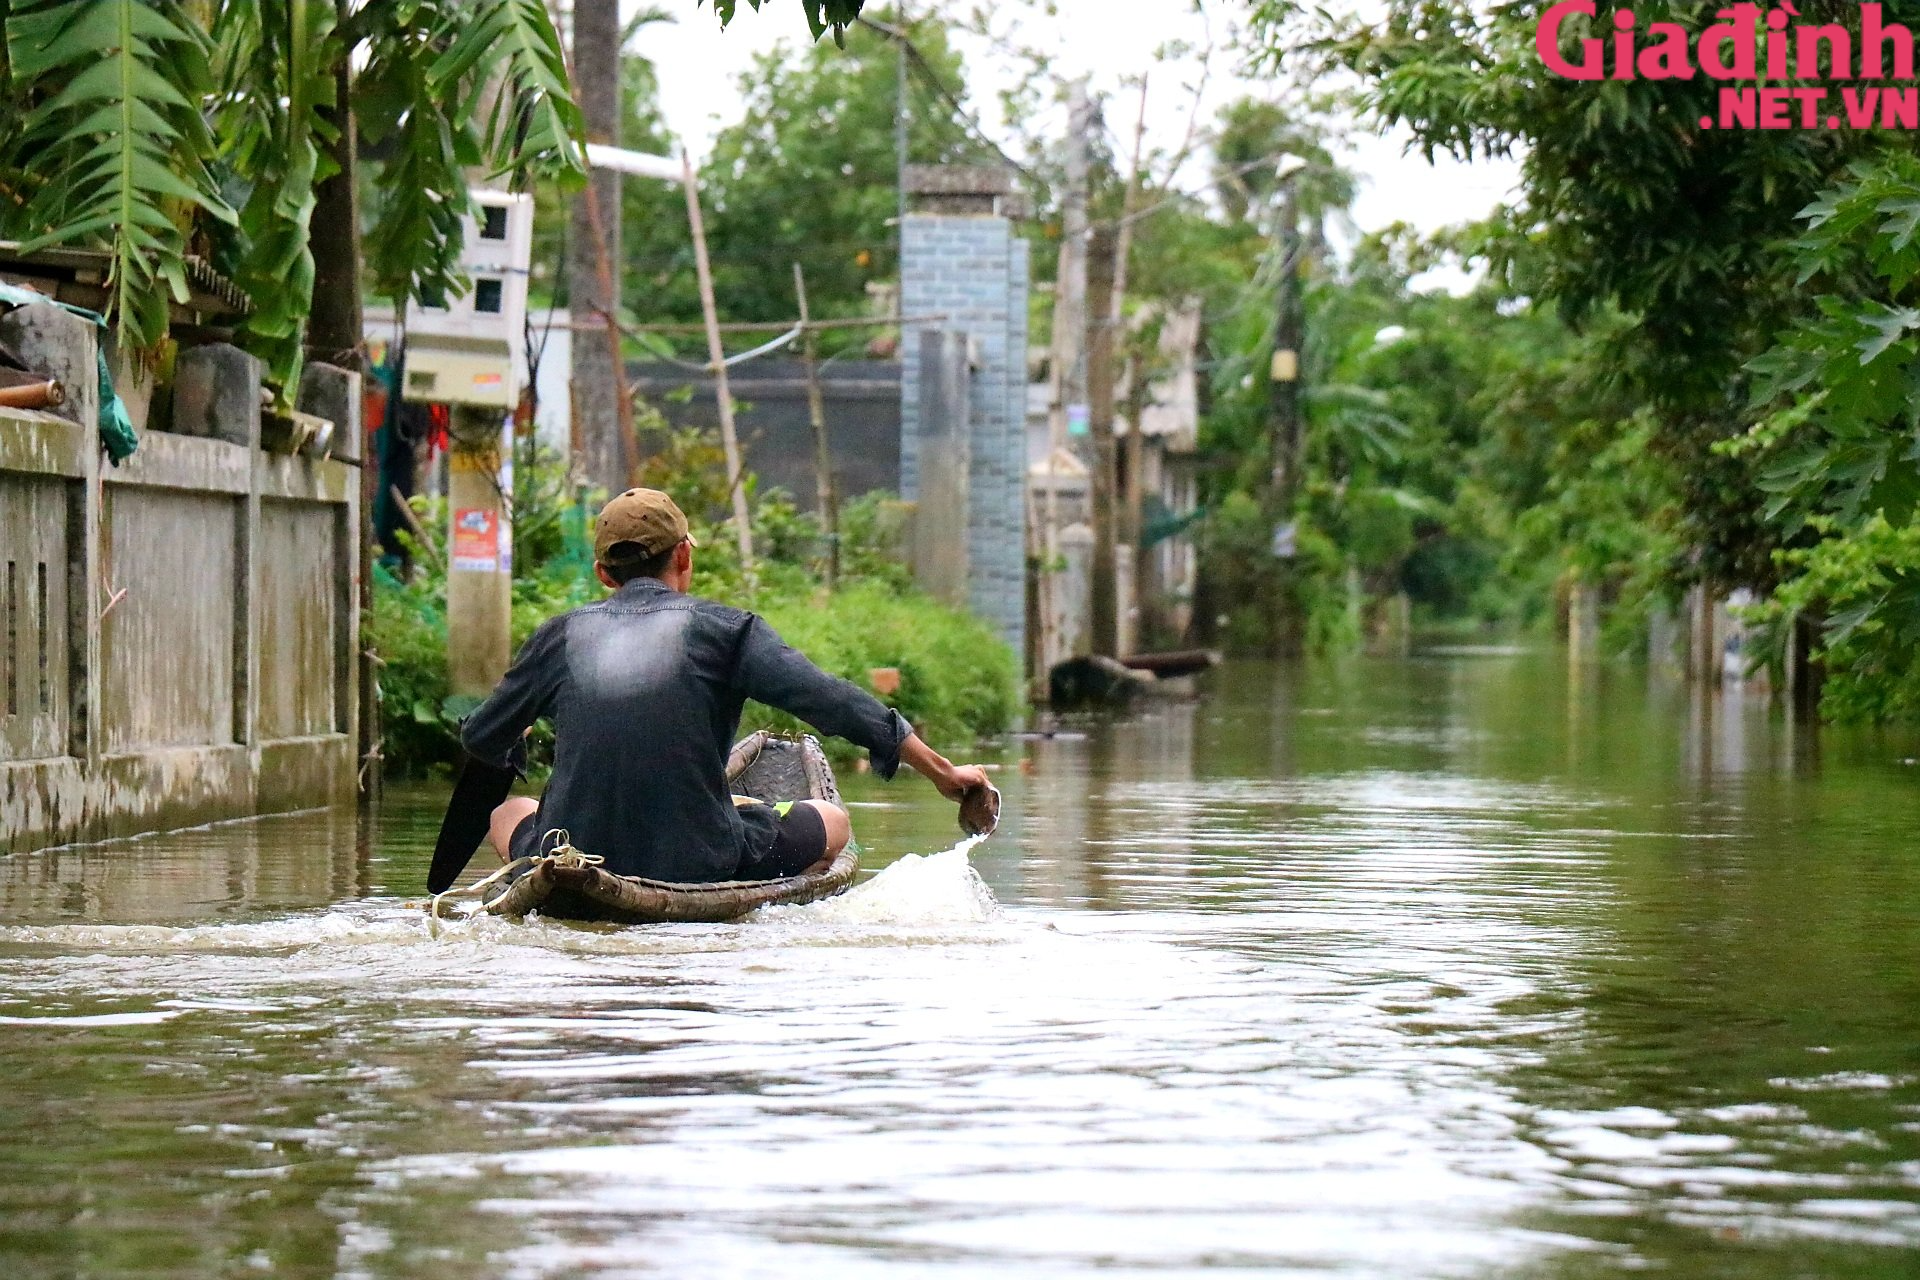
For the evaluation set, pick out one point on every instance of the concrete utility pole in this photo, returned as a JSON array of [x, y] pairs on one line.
[[829, 492], [593, 252], [1068, 375], [1070, 279], [1133, 500], [1125, 529], [1288, 427], [1104, 593], [480, 560]]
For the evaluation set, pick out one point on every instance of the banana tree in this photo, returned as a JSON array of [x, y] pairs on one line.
[[157, 131]]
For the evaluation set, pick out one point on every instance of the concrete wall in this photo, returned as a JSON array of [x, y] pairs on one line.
[[776, 430], [177, 634], [971, 270]]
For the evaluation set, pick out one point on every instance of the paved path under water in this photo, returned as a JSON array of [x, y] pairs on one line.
[[1442, 968]]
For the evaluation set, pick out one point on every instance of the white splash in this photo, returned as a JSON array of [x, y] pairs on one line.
[[919, 890], [919, 896]]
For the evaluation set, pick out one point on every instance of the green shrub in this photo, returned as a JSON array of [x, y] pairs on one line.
[[958, 680], [1863, 584]]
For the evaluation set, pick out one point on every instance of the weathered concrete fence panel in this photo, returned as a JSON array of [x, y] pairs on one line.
[[168, 654], [177, 634]]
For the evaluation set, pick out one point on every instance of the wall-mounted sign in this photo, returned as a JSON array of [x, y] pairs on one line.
[[1079, 419], [476, 540]]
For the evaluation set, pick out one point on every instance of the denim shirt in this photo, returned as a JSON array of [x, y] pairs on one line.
[[644, 690]]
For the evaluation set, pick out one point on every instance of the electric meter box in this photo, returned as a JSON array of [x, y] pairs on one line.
[[468, 350]]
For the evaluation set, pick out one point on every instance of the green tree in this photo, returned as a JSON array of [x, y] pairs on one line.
[[1838, 449], [656, 246], [822, 15], [809, 173], [1627, 205], [156, 131]]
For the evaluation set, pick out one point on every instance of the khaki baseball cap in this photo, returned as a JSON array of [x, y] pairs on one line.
[[647, 518]]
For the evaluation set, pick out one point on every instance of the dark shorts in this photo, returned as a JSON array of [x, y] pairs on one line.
[[525, 840], [781, 844], [778, 844]]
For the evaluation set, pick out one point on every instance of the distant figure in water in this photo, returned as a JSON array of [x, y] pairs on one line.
[[645, 690]]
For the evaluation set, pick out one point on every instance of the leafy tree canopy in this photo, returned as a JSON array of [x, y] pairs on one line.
[[822, 15], [1627, 204], [160, 131]]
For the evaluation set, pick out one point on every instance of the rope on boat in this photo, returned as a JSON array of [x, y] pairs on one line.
[[558, 850]]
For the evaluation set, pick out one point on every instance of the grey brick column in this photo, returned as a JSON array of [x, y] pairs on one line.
[[972, 270]]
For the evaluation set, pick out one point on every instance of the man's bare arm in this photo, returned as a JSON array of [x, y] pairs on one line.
[[952, 780]]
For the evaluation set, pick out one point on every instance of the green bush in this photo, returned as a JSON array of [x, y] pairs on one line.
[[1236, 548], [1863, 584], [958, 680]]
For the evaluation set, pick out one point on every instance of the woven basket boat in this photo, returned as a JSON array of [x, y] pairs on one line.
[[764, 766]]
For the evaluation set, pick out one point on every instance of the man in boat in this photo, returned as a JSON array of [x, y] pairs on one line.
[[645, 690]]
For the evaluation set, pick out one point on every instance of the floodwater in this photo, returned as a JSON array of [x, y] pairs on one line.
[[1452, 967]]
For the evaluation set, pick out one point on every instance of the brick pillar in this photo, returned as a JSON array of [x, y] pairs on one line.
[[961, 261]]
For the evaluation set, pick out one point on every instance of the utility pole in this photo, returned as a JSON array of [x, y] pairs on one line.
[[1133, 500], [593, 240], [1068, 377], [1126, 527], [1288, 427], [480, 569], [829, 492], [1104, 603], [717, 360], [1070, 280]]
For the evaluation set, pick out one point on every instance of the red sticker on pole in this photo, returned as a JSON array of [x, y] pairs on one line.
[[476, 540]]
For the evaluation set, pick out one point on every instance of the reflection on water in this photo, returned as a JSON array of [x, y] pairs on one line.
[[1446, 967]]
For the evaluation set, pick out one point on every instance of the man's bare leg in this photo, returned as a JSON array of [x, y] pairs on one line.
[[508, 816], [839, 826]]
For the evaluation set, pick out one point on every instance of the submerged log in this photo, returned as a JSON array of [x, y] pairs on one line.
[[1180, 662], [1095, 681]]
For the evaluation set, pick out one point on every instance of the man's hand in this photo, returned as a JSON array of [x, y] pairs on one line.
[[961, 779], [951, 780], [966, 785]]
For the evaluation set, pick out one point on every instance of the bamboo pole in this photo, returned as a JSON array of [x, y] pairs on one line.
[[419, 530], [742, 526], [780, 326], [822, 446]]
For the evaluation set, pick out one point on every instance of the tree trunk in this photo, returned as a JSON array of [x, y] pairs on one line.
[[336, 331], [594, 295]]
